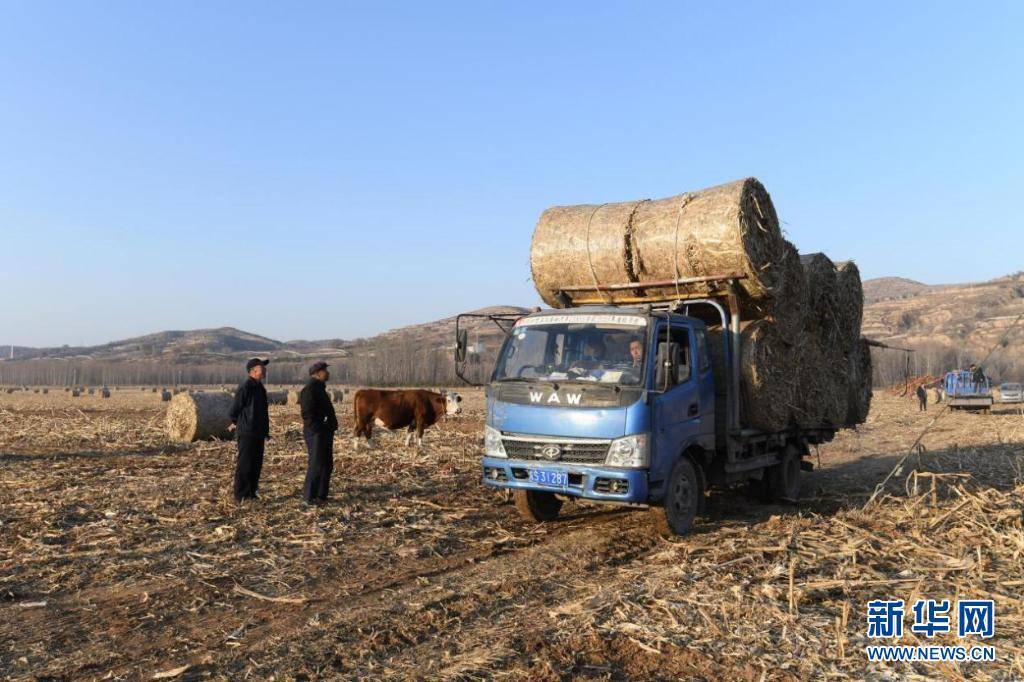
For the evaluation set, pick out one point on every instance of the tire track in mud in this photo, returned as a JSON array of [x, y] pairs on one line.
[[405, 622], [206, 629]]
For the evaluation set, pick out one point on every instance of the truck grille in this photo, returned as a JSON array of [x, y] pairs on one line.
[[589, 452]]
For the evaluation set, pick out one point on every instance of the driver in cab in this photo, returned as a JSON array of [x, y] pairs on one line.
[[591, 359]]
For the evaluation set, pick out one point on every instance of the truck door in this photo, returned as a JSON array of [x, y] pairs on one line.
[[676, 412], [706, 388]]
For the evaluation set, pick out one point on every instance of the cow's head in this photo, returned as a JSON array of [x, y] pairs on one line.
[[452, 402]]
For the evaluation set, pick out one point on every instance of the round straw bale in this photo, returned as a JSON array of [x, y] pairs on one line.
[[859, 385], [770, 384], [849, 303], [293, 397], [165, 396], [277, 397], [822, 297], [45, 391], [730, 228], [75, 393], [199, 416]]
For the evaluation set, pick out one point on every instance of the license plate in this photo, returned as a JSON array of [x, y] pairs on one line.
[[547, 477]]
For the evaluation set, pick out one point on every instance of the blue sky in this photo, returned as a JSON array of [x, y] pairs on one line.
[[333, 169]]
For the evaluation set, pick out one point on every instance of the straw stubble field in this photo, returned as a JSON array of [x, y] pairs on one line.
[[123, 556]]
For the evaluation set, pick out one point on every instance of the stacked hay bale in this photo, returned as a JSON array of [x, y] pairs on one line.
[[800, 341], [199, 415]]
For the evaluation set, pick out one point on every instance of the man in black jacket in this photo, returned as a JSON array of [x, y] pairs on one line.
[[250, 420], [318, 426]]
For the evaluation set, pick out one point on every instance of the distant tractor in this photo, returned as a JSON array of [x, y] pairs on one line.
[[967, 390]]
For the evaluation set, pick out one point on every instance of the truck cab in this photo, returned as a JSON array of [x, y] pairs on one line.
[[621, 405]]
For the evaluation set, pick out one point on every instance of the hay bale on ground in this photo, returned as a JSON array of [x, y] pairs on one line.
[[75, 393], [45, 391], [165, 395], [293, 397], [199, 416], [277, 397], [338, 395], [730, 228]]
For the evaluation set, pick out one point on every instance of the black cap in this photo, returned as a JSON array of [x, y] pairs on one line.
[[255, 361], [317, 366]]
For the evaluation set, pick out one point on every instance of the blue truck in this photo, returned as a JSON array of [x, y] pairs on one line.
[[967, 389], [627, 405]]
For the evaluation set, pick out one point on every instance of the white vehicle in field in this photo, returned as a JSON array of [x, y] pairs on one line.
[[1011, 393]]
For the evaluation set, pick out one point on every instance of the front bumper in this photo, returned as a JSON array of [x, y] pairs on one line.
[[608, 484]]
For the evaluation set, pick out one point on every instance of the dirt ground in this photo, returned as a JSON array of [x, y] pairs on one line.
[[123, 556]]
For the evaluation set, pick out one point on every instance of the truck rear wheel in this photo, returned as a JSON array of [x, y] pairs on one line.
[[536, 506], [682, 500], [784, 477]]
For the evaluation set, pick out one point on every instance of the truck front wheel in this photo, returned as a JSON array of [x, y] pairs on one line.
[[536, 506], [784, 477], [682, 500]]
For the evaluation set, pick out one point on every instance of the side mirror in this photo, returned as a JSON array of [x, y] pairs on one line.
[[461, 342], [667, 362]]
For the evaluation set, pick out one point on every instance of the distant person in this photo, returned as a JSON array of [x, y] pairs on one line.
[[318, 426], [593, 355], [250, 420], [979, 376], [922, 398]]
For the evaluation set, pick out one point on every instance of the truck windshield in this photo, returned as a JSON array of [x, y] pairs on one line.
[[605, 353]]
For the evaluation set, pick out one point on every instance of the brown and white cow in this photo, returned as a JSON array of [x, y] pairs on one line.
[[414, 409]]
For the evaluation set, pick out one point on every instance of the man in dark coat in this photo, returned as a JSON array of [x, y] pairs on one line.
[[250, 420], [922, 398], [318, 426]]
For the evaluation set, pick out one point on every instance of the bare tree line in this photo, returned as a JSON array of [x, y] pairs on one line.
[[404, 364], [892, 367], [411, 364]]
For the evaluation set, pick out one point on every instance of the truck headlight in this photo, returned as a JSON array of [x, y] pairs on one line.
[[493, 447], [632, 451]]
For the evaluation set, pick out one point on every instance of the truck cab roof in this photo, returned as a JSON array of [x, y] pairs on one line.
[[642, 310]]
